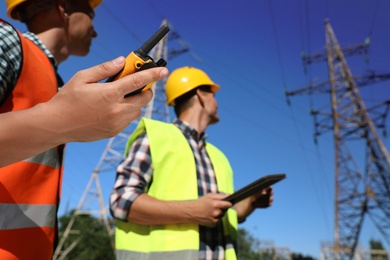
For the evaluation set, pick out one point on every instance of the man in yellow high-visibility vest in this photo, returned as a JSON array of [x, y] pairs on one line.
[[169, 191]]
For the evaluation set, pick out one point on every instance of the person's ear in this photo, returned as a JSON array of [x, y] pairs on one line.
[[200, 95], [62, 9]]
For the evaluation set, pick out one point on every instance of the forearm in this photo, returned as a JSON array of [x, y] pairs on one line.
[[207, 210], [146, 210], [26, 133], [262, 199], [244, 208]]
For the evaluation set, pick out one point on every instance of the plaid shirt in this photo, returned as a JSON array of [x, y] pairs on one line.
[[11, 58], [135, 173]]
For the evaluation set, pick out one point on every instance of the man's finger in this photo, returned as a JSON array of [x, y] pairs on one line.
[[139, 79], [139, 100]]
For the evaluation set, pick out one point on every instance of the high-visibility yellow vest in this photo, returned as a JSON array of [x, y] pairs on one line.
[[30, 189], [174, 178]]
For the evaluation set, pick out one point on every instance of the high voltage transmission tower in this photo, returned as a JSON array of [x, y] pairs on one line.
[[113, 154], [358, 192]]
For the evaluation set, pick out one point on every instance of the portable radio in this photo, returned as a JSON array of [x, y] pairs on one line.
[[140, 60]]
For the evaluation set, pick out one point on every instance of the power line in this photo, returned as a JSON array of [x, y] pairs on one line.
[[301, 145], [123, 24]]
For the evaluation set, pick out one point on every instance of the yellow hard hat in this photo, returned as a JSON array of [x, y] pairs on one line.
[[185, 79], [11, 4]]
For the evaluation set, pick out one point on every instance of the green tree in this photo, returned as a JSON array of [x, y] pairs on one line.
[[94, 241], [377, 245], [247, 245], [248, 248]]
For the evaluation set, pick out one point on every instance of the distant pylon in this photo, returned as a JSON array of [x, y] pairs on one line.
[[113, 154], [357, 192]]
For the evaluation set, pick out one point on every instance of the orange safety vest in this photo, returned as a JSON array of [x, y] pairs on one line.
[[30, 190]]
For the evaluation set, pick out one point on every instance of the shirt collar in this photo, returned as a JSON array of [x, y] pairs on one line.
[[189, 131], [34, 38]]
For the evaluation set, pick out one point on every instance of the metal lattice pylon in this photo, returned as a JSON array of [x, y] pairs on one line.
[[111, 157], [358, 192]]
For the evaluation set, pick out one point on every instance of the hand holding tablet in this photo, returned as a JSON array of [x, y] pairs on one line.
[[254, 187]]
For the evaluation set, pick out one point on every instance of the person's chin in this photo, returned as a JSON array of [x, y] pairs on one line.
[[82, 52]]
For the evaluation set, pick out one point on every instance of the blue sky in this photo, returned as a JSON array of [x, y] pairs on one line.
[[253, 50]]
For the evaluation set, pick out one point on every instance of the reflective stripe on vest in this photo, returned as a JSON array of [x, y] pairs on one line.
[[15, 216], [179, 241], [49, 158], [177, 255]]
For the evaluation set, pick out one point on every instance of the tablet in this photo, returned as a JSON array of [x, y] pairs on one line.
[[254, 187]]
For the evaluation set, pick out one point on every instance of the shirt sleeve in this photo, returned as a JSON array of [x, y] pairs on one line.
[[10, 60], [133, 177]]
